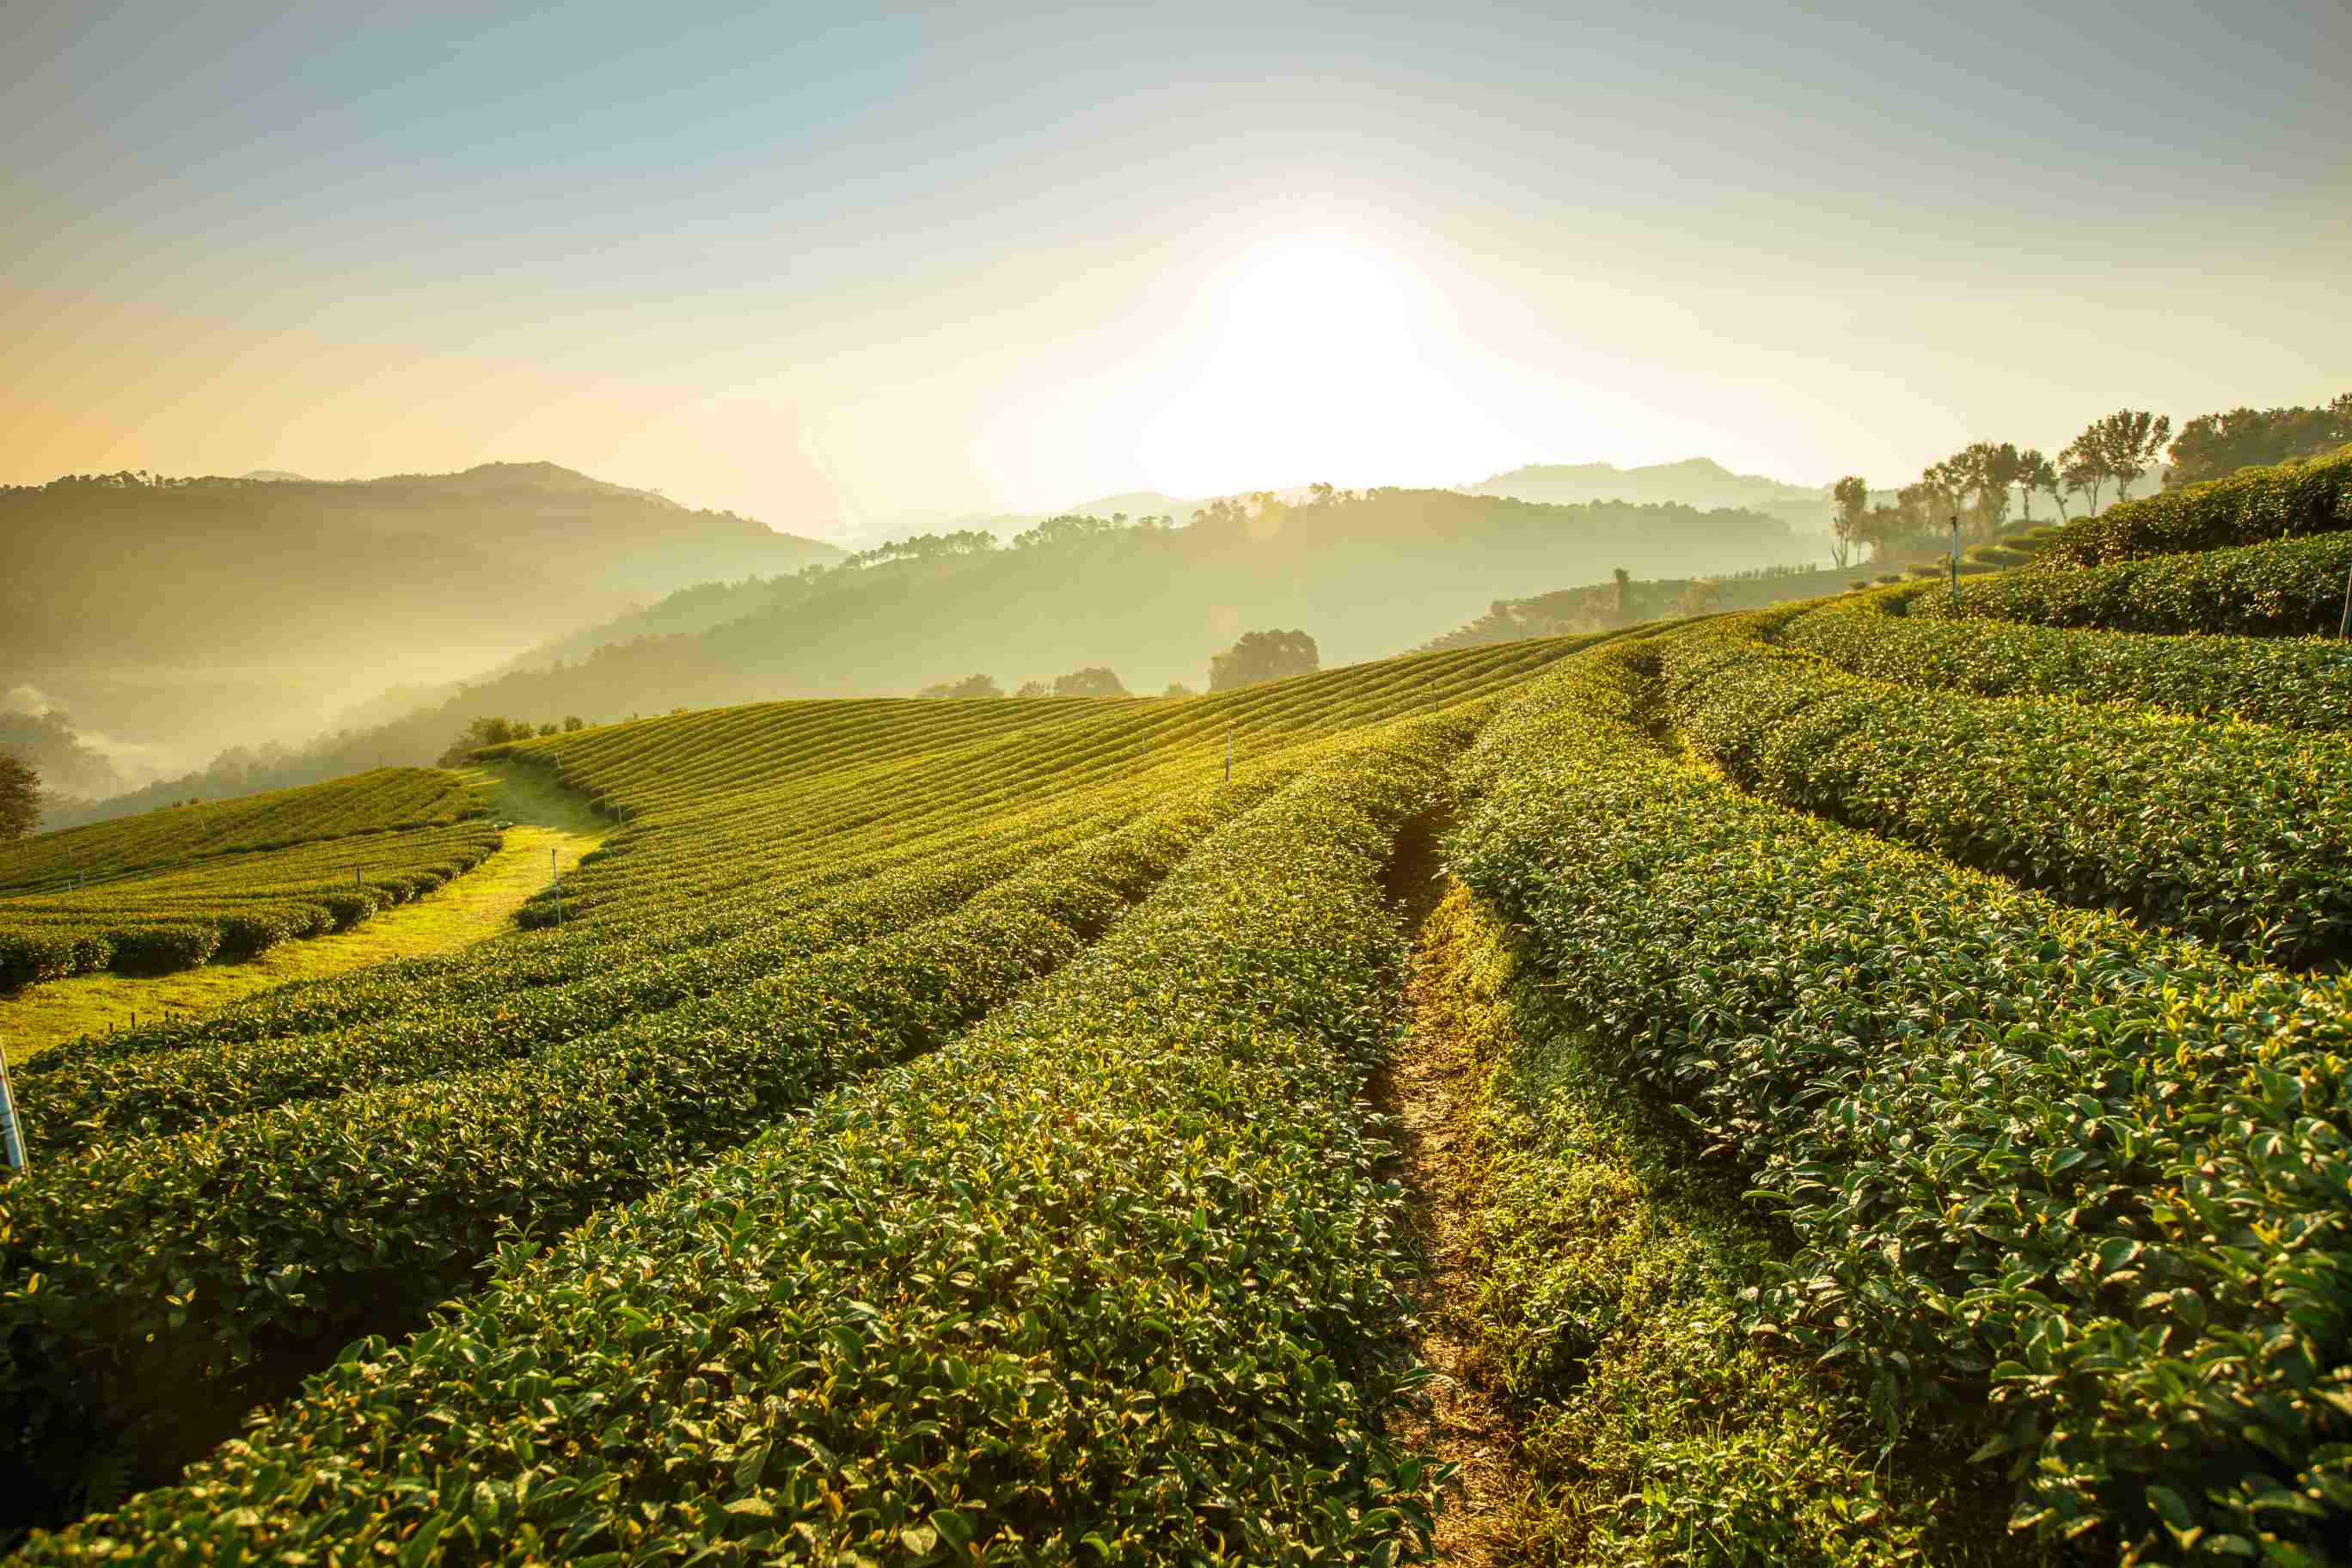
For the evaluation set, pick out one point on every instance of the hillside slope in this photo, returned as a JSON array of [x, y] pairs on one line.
[[182, 614], [1365, 575]]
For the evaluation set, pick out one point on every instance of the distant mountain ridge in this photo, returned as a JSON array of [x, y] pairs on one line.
[[1694, 481], [182, 611]]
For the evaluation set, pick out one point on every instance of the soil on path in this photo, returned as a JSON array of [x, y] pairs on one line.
[[547, 819], [1426, 1088]]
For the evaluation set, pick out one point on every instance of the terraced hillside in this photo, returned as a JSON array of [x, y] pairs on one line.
[[170, 889], [1870, 1090], [801, 895]]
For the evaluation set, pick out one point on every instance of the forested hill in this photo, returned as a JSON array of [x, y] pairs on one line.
[[1695, 481], [122, 567], [1366, 575], [177, 615]]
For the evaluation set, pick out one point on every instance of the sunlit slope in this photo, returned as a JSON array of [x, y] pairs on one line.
[[170, 889], [541, 827], [379, 802], [2016, 1022], [803, 893]]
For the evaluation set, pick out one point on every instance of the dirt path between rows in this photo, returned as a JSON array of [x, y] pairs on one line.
[[548, 820], [1426, 1087]]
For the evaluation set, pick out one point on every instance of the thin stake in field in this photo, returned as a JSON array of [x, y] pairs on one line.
[[12, 1134]]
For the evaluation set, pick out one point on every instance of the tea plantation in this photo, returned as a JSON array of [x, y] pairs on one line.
[[1904, 1119], [171, 889]]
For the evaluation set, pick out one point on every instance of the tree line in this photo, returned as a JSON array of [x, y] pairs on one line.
[[1973, 487], [1255, 657]]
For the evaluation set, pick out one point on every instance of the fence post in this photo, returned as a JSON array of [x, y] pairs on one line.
[[12, 1132], [2345, 630], [1955, 562]]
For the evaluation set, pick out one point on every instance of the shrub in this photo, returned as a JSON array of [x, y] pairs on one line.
[[2252, 505], [27, 956], [163, 947]]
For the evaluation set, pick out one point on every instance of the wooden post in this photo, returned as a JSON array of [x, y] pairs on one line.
[[12, 1132], [2345, 630]]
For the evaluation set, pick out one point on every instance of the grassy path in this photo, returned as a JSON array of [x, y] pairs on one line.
[[1429, 1088], [479, 904]]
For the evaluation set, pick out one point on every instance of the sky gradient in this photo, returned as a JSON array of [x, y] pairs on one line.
[[822, 265]]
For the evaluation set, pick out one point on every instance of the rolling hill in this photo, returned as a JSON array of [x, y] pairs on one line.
[[180, 613], [1810, 1054]]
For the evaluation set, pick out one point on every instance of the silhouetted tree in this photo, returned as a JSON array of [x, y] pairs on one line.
[[969, 686], [1852, 494], [2213, 445], [20, 798], [2125, 445], [2081, 471], [1095, 680], [1264, 655], [1178, 688], [1034, 688], [2035, 472], [491, 731]]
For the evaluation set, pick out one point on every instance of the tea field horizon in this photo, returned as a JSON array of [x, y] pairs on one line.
[[1858, 1081]]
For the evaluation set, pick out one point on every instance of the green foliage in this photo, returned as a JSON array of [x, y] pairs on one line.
[[969, 686], [1610, 1268], [493, 730], [804, 892], [2035, 1162], [169, 890], [1095, 681], [2291, 587], [20, 798], [2298, 683], [2214, 446], [2236, 832], [1114, 1275], [1262, 656], [2247, 507]]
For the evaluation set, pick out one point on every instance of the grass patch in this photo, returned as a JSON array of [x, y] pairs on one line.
[[477, 905]]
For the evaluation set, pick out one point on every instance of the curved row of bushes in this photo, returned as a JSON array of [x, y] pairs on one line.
[[1604, 1272], [50, 941], [145, 1283], [2287, 502], [1111, 1278], [383, 800], [2084, 1185], [2240, 834], [91, 1099], [2287, 588], [2298, 683]]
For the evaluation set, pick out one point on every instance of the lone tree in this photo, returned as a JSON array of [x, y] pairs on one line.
[[1851, 525], [1097, 680], [20, 798], [1262, 656]]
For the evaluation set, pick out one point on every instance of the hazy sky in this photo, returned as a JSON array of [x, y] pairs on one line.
[[819, 263]]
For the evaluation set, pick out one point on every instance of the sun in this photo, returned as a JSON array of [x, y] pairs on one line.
[[1304, 360], [1320, 294]]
